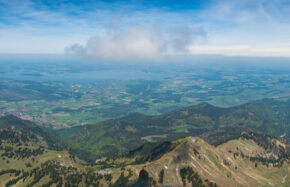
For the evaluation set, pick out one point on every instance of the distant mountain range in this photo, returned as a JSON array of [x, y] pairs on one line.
[[118, 136]]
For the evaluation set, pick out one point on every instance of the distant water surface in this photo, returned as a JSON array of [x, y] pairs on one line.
[[89, 76]]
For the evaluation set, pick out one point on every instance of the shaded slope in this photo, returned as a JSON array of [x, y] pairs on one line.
[[30, 129]]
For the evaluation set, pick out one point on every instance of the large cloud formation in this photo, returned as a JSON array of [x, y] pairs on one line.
[[138, 43]]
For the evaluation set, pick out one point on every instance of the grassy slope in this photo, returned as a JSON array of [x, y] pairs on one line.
[[16, 140], [216, 164]]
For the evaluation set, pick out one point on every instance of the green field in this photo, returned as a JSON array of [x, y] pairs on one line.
[[64, 104]]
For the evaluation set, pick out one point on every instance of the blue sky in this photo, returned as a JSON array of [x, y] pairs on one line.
[[145, 29]]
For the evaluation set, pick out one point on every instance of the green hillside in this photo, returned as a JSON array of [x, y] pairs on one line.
[[118, 136]]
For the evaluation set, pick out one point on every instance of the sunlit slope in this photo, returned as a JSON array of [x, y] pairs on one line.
[[238, 162], [32, 156]]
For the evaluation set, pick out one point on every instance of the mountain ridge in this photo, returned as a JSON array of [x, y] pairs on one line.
[[214, 165], [117, 136]]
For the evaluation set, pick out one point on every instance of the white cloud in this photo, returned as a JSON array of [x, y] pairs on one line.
[[138, 43], [132, 43]]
